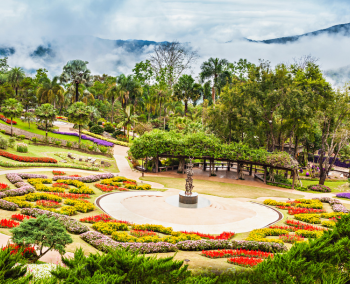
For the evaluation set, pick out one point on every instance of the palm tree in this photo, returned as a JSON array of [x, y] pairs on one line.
[[187, 90], [113, 92], [83, 93], [12, 108], [76, 72], [15, 77], [50, 91], [213, 68]]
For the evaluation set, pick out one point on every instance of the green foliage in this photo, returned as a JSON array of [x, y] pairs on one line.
[[120, 266], [108, 128], [45, 233], [12, 267], [46, 114], [3, 143], [79, 114], [11, 109], [200, 144], [97, 129]]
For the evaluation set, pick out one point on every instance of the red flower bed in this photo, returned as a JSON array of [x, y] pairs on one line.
[[48, 203], [140, 234], [4, 223], [222, 236], [245, 261], [20, 217], [288, 228], [291, 238], [236, 252], [335, 219], [28, 252], [4, 186], [58, 173], [97, 218], [293, 211], [26, 159], [303, 226], [71, 195], [78, 176], [62, 185], [8, 121], [129, 182], [107, 188]]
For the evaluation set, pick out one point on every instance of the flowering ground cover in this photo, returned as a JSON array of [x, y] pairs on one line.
[[4, 223], [84, 137], [245, 261], [222, 236], [236, 252], [58, 173], [20, 217], [27, 159]]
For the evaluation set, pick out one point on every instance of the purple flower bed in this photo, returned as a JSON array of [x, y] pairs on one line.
[[19, 191], [91, 178], [262, 246], [18, 177], [344, 195], [319, 187], [6, 205], [104, 243], [72, 225], [20, 184], [336, 204], [204, 245], [84, 137]]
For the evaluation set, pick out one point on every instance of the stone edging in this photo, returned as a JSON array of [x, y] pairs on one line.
[[280, 215]]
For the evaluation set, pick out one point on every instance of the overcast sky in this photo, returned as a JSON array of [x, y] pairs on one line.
[[206, 24]]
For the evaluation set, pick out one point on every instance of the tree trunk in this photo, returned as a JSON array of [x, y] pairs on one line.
[[46, 129], [213, 94], [181, 166], [112, 109], [16, 91], [296, 141], [185, 107], [11, 126], [79, 133], [164, 116], [149, 116], [76, 92]]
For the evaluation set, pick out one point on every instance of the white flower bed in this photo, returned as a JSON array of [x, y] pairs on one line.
[[40, 271]]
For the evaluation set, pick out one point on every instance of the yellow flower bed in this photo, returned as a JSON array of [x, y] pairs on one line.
[[332, 215], [42, 187], [154, 228], [143, 187], [109, 227], [275, 203], [42, 196], [124, 237], [68, 210], [81, 188], [328, 224], [19, 200], [308, 218], [259, 235], [118, 179], [309, 234], [80, 206], [34, 181]]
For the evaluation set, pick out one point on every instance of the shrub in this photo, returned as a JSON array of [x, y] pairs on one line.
[[21, 137], [12, 142], [108, 128], [33, 230], [3, 143], [97, 129], [22, 147], [319, 187], [35, 140], [3, 131]]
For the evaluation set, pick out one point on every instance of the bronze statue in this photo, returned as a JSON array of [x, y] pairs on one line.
[[189, 179]]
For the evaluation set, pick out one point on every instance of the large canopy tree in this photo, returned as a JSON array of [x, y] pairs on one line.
[[12, 108], [50, 91], [79, 113], [46, 113], [15, 77], [76, 72], [212, 69]]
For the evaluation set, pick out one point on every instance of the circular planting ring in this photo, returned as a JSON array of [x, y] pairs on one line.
[[222, 215]]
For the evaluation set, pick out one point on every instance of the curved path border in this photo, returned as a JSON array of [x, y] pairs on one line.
[[264, 216]]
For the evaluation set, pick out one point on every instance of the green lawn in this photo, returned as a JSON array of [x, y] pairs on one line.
[[228, 190], [335, 186], [35, 130], [49, 151]]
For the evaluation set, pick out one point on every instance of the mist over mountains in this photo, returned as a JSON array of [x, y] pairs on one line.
[[119, 56]]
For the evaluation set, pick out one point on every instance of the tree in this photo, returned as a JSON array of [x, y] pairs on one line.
[[79, 113], [28, 96], [113, 92], [15, 77], [12, 108], [172, 58], [212, 69], [76, 72], [50, 91], [43, 232], [187, 90], [28, 117], [46, 113]]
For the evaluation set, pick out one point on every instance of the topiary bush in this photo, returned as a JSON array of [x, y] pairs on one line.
[[97, 129], [109, 128], [3, 143]]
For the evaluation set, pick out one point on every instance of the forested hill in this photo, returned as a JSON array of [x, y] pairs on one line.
[[342, 30]]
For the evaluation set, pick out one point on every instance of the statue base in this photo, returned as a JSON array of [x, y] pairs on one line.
[[188, 199]]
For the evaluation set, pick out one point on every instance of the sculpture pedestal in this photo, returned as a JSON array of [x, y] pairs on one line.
[[188, 199]]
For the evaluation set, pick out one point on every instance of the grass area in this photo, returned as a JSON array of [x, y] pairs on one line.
[[335, 186], [35, 130], [50, 151], [221, 189]]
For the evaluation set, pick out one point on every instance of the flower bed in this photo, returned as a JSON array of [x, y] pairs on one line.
[[87, 179], [319, 187], [72, 225], [48, 203], [81, 188], [336, 204], [239, 252], [308, 218], [109, 227], [71, 195], [42, 196], [260, 234], [98, 218], [19, 191], [140, 234], [4, 223], [20, 165], [106, 139], [309, 234], [61, 185], [6, 205], [4, 186], [7, 120], [344, 195], [108, 188], [26, 159], [80, 205], [154, 228], [105, 243], [20, 217], [245, 261], [302, 226], [293, 211], [58, 173], [19, 200], [222, 236], [292, 239], [84, 137]]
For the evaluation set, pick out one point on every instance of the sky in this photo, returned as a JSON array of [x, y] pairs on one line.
[[207, 25]]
